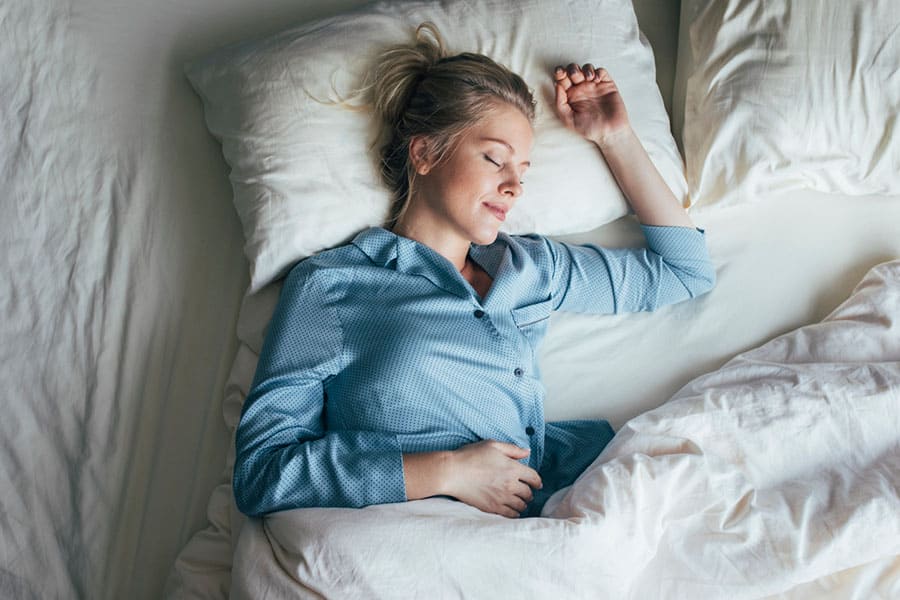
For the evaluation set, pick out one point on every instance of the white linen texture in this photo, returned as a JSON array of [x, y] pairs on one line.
[[304, 172], [773, 471], [787, 94]]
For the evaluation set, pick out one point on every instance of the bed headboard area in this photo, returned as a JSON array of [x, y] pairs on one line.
[[656, 20]]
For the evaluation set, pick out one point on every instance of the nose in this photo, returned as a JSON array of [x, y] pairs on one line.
[[511, 187]]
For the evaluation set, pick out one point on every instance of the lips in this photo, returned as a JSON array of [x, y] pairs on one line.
[[498, 210]]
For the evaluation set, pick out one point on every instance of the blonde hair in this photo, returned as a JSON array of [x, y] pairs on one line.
[[420, 91]]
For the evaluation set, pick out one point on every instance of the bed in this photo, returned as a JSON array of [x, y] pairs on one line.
[[758, 444]]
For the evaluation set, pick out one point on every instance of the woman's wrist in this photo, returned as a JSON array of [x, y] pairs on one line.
[[611, 140], [427, 474]]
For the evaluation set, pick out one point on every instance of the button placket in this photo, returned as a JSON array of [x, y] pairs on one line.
[[481, 315]]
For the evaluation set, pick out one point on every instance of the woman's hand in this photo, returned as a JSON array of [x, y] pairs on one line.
[[489, 476], [588, 102], [486, 475]]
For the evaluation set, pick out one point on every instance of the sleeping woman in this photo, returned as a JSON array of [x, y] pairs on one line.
[[403, 365]]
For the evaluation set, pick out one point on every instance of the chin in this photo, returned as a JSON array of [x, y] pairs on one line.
[[485, 238]]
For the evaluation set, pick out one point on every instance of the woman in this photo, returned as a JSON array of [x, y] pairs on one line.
[[404, 364]]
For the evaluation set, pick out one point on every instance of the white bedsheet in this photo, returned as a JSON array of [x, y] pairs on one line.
[[122, 282], [776, 470]]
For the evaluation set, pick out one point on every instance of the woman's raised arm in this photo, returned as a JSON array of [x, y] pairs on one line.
[[588, 102]]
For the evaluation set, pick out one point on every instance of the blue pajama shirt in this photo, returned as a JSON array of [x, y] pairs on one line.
[[380, 347]]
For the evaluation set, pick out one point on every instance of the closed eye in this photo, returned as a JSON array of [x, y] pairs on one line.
[[499, 166]]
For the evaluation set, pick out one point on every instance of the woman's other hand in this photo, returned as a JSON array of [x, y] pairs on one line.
[[588, 102], [486, 475], [489, 476]]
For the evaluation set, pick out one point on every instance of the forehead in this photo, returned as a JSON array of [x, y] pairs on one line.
[[506, 124]]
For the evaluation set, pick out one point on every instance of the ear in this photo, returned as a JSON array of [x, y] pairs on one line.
[[420, 154]]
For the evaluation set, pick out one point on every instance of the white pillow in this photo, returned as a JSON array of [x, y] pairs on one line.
[[787, 94], [304, 174]]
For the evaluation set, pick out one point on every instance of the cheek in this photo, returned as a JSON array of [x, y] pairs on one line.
[[465, 184], [457, 174]]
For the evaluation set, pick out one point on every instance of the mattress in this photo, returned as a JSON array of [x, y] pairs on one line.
[[129, 342]]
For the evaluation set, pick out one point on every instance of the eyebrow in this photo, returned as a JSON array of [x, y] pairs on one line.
[[507, 144]]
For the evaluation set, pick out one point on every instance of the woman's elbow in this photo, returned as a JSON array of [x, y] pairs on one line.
[[247, 504], [248, 497]]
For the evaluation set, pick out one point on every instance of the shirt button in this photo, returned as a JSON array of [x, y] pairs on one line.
[[479, 313], [529, 430], [518, 372]]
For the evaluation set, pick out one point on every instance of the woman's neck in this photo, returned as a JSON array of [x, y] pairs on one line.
[[452, 247], [440, 239]]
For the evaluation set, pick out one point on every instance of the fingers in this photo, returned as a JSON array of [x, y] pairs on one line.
[[517, 504], [520, 498], [575, 73], [525, 474], [563, 110], [490, 476], [562, 100], [511, 450], [531, 478], [518, 493], [508, 512], [514, 504], [588, 71], [601, 74], [572, 74], [563, 83], [524, 493]]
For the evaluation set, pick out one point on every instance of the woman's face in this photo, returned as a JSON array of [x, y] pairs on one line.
[[470, 192]]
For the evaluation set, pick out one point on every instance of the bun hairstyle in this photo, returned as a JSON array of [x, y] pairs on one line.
[[420, 91]]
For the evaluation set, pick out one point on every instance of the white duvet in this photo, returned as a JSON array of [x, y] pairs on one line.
[[777, 474]]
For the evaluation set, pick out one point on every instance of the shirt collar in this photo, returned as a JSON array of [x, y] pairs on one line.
[[491, 256], [379, 244], [387, 249]]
